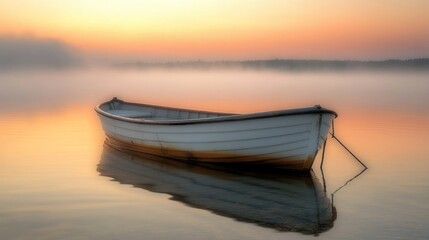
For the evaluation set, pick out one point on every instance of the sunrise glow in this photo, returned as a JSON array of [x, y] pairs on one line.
[[227, 29]]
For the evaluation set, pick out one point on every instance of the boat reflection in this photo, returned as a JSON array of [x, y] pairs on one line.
[[284, 202]]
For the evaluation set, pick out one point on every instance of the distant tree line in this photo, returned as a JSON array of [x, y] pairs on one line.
[[287, 64]]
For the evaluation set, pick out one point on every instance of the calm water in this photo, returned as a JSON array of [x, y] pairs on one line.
[[57, 181]]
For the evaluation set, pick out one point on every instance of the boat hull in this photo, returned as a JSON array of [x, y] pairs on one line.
[[281, 141]]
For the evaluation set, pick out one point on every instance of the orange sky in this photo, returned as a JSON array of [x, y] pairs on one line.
[[180, 29]]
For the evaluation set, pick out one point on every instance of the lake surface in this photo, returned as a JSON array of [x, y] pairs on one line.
[[59, 181]]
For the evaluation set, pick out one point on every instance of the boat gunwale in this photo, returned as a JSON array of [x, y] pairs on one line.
[[227, 118]]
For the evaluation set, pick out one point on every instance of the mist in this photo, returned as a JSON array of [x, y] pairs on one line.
[[19, 53], [31, 53]]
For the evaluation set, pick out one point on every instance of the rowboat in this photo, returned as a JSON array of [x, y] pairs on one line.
[[287, 139], [284, 202]]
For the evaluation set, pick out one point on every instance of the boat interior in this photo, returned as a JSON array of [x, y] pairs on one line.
[[142, 111]]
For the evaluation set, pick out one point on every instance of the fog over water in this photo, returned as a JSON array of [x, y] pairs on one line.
[[24, 53], [213, 90], [37, 72], [57, 181], [28, 52]]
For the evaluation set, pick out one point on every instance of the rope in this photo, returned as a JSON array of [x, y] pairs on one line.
[[344, 146], [321, 166]]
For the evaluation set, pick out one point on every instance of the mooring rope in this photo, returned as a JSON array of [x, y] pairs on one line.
[[321, 166], [344, 146], [323, 158]]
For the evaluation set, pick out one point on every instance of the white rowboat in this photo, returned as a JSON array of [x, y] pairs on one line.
[[287, 139]]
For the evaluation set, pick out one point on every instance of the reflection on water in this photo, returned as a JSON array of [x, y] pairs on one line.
[[283, 202]]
